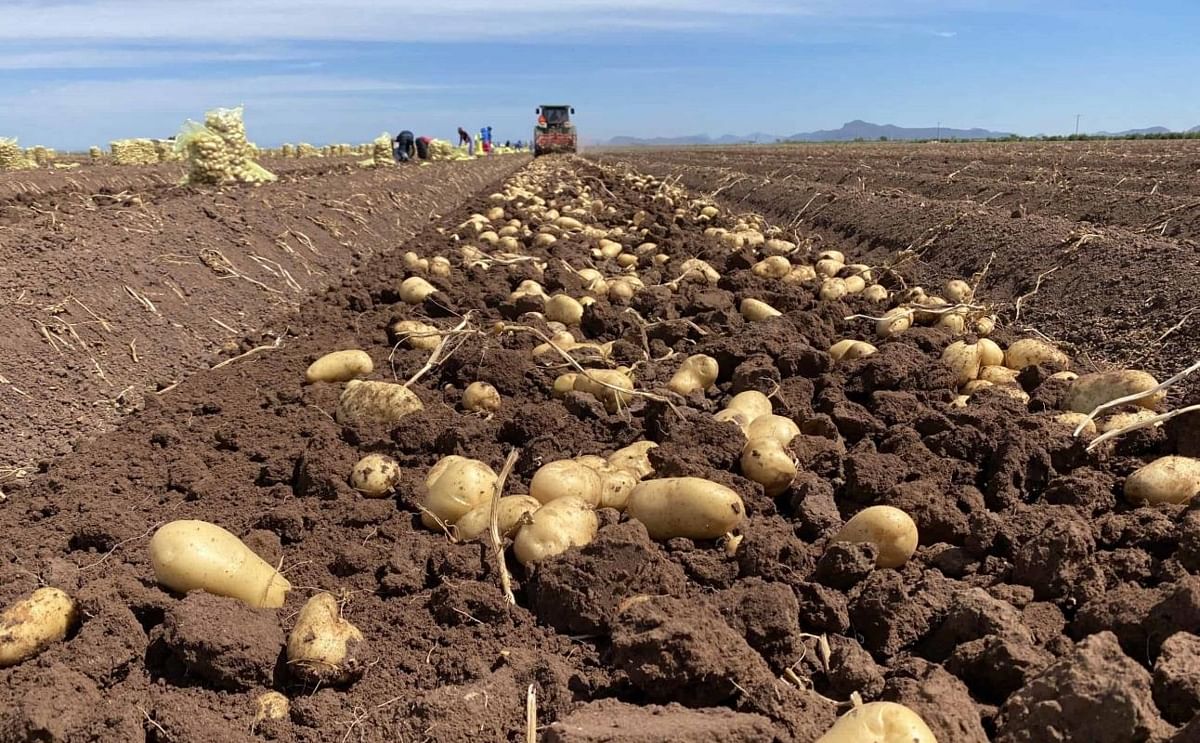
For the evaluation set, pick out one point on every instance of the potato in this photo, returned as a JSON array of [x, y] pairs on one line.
[[850, 350], [416, 334], [339, 366], [593, 280], [696, 374], [894, 321], [774, 427], [34, 623], [609, 386], [984, 326], [623, 288], [778, 247], [875, 293], [744, 408], [270, 705], [854, 284], [439, 266], [414, 262], [990, 353], [608, 249], [975, 385], [1072, 420], [998, 374], [489, 236], [832, 289], [634, 458], [892, 531], [861, 270], [1031, 352], [323, 647], [767, 461], [481, 397], [1091, 391], [879, 722], [836, 256], [800, 274], [775, 267], [192, 555], [1121, 420], [694, 269], [375, 475], [960, 401], [924, 314], [1171, 479], [1013, 391], [756, 310], [566, 477], [689, 507], [1067, 376], [958, 291], [963, 359], [415, 289], [615, 486], [626, 260], [564, 309], [509, 517], [376, 402], [568, 223], [554, 528]]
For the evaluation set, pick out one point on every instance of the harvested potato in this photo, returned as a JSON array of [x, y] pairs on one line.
[[623, 288], [609, 386], [416, 334], [193, 555], [960, 401], [990, 353], [836, 256], [850, 350], [34, 623], [481, 397], [879, 722], [696, 374], [509, 517], [563, 478], [963, 359], [975, 385], [339, 366], [777, 247], [1013, 391], [998, 374], [875, 293], [828, 267], [756, 310], [744, 408], [270, 705], [832, 289], [554, 528], [695, 269], [775, 267], [1031, 352], [439, 266], [1090, 391], [615, 486], [564, 309], [454, 486], [375, 475], [1121, 420], [323, 647], [1171, 479], [892, 531], [958, 291], [415, 289], [1066, 376], [984, 326], [690, 507], [767, 461], [1072, 420], [775, 427], [800, 274], [925, 313], [634, 458], [894, 321], [376, 402], [854, 284]]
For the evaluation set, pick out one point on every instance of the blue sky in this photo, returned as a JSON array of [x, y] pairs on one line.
[[81, 72]]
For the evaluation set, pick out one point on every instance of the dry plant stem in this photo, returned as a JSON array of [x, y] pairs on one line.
[[436, 357], [531, 715], [929, 309], [1155, 420], [1036, 286], [1136, 396], [494, 527], [257, 349]]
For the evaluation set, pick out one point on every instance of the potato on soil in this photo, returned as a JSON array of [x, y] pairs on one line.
[[756, 310], [414, 290], [34, 623], [875, 293], [894, 321], [963, 359], [1073, 420], [775, 267], [376, 402], [555, 528], [1171, 479], [775, 427], [879, 722], [615, 486], [454, 486], [564, 309], [481, 397], [990, 353], [1031, 352], [832, 289], [690, 507], [1090, 391], [511, 514], [323, 647], [416, 334], [191, 555], [609, 386], [850, 350], [892, 531], [270, 705], [958, 291], [634, 458], [767, 462], [375, 475], [696, 374], [566, 478], [339, 366], [1121, 420]]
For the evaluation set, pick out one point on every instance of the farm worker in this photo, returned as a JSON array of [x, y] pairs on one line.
[[423, 147], [463, 137], [404, 148], [479, 143]]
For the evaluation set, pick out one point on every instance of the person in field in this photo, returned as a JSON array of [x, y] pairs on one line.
[[464, 137], [423, 147], [404, 148]]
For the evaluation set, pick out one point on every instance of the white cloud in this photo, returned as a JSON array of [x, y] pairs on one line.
[[946, 34]]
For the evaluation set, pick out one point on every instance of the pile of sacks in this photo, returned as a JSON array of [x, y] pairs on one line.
[[12, 157], [134, 152]]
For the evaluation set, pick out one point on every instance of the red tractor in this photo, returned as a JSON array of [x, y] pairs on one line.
[[554, 132]]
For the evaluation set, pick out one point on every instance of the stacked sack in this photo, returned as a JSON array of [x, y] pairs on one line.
[[217, 150], [134, 152], [11, 156], [95, 154], [287, 150], [304, 149]]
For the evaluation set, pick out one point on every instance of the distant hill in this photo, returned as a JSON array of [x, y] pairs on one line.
[[1131, 132], [859, 129], [1194, 129], [690, 139]]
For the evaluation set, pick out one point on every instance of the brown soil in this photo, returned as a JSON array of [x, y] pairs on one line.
[[1040, 605]]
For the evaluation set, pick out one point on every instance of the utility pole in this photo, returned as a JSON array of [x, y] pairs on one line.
[[1077, 123], [939, 133]]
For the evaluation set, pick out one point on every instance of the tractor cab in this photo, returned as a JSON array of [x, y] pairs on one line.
[[554, 131]]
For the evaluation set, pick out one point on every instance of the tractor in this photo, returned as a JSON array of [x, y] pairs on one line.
[[554, 132]]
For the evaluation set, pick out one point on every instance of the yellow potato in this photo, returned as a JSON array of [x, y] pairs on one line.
[[1170, 479], [854, 284], [998, 374], [775, 267], [990, 353], [696, 374], [1091, 391], [415, 289], [564, 309], [832, 289], [375, 475], [192, 555], [894, 321], [476, 522], [879, 722], [892, 531], [339, 366], [481, 397], [1031, 352], [924, 315], [270, 705], [568, 223], [565, 478], [554, 528], [1121, 420], [875, 293], [975, 385], [695, 269], [800, 274], [775, 427], [958, 291], [744, 408], [34, 623], [767, 462], [756, 310], [984, 326], [376, 402], [689, 507], [634, 458], [836, 256], [1072, 420], [778, 247], [952, 323], [416, 334], [323, 647], [1066, 376], [454, 486], [849, 350], [439, 266], [963, 359]]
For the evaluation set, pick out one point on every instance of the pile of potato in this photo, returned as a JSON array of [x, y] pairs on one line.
[[12, 157], [134, 152]]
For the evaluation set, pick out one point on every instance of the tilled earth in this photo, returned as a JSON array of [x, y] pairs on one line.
[[1040, 605]]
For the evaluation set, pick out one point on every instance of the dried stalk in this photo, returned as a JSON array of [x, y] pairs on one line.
[[494, 527]]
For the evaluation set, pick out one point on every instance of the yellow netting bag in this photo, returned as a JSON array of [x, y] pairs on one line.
[[381, 151], [95, 154], [11, 156], [217, 150]]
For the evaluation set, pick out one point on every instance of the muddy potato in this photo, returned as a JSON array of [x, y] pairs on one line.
[[850, 350], [1121, 420], [554, 528], [990, 353], [1090, 391], [609, 386], [984, 326], [694, 269], [958, 291], [634, 458], [894, 321], [963, 359], [481, 397], [892, 531], [777, 247], [879, 722], [952, 323], [832, 289], [564, 309], [689, 507], [1171, 479], [854, 284], [970, 388], [324, 647], [875, 293], [756, 310], [453, 487], [615, 486], [744, 408], [416, 334], [836, 256], [696, 374], [270, 705], [800, 274], [34, 623], [767, 461], [439, 266], [566, 478], [415, 289], [475, 523], [375, 475], [339, 366], [1067, 376], [1072, 421], [775, 267], [375, 402], [998, 374], [1031, 352], [775, 427], [191, 555]]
